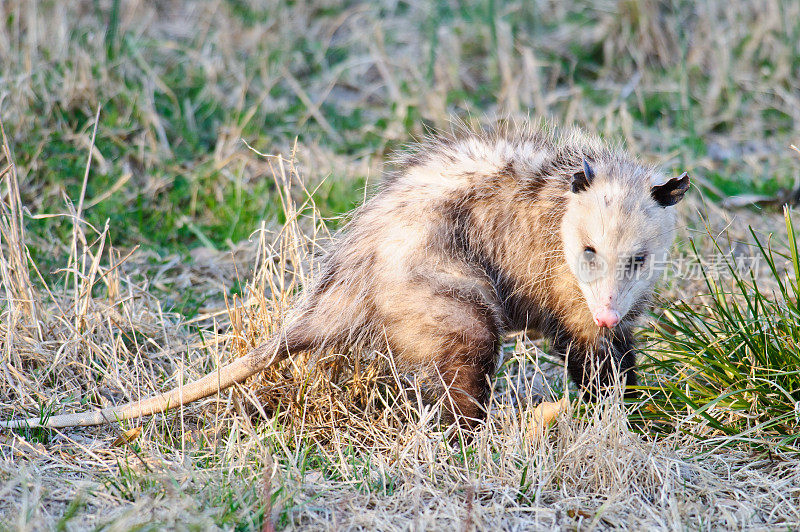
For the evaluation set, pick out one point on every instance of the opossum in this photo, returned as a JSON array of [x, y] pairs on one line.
[[476, 235]]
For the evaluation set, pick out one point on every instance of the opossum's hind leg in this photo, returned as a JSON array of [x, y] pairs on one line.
[[466, 365], [454, 342]]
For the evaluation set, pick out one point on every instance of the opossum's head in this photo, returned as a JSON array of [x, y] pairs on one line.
[[617, 229]]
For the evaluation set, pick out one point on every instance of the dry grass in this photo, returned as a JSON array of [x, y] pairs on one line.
[[322, 443]]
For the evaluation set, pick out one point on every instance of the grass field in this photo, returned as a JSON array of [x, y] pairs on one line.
[[169, 170]]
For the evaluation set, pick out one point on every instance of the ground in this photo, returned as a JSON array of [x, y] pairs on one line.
[[177, 165]]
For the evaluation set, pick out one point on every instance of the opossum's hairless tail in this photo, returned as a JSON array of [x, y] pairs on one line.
[[235, 372]]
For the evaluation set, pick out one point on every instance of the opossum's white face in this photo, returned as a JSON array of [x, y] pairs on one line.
[[616, 231]]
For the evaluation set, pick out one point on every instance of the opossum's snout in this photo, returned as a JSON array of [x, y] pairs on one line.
[[604, 305], [606, 317]]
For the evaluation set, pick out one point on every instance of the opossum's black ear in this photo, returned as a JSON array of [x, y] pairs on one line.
[[672, 191], [581, 180]]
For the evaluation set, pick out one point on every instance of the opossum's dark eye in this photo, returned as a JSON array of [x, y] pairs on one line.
[[591, 265], [637, 261]]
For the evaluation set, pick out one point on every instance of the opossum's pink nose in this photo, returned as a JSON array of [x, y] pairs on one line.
[[606, 317]]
